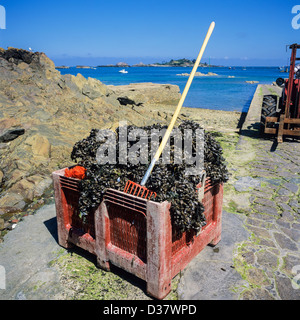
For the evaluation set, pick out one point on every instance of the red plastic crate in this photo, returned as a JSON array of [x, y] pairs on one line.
[[135, 234]]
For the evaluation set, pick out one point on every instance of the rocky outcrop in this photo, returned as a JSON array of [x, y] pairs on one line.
[[198, 74], [146, 94], [10, 130], [122, 64], [252, 81], [43, 114]]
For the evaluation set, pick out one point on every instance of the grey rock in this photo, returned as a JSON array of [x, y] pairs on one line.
[[11, 202], [91, 92], [42, 186]]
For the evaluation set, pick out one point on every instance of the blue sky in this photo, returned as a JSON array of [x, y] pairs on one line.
[[100, 32]]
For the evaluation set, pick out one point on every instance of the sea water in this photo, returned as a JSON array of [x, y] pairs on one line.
[[227, 91]]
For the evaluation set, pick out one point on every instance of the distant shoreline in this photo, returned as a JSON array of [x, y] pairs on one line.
[[158, 66], [172, 63], [135, 66]]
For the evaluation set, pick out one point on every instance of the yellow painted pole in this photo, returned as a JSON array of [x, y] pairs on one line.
[[180, 103]]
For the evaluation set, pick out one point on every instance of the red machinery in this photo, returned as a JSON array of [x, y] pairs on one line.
[[281, 116]]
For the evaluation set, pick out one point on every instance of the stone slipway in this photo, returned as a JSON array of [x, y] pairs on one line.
[[252, 120], [258, 257]]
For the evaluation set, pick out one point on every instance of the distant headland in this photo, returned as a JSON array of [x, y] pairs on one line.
[[172, 63]]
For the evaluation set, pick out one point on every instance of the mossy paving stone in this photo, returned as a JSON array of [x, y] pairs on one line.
[[256, 294], [264, 166], [261, 173], [296, 225], [83, 280], [245, 254], [281, 199], [267, 259], [260, 233], [288, 216], [285, 174], [267, 243], [292, 233], [250, 221], [265, 202], [272, 221], [290, 261], [266, 209], [263, 194], [294, 203], [284, 242], [283, 223], [256, 277], [285, 206], [284, 192], [246, 183], [262, 216], [292, 187], [285, 288]]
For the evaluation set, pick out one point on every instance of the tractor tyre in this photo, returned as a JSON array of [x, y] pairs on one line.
[[268, 110]]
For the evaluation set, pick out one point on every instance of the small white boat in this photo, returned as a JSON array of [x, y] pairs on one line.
[[123, 71]]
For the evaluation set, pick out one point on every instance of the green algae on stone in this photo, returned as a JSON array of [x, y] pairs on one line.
[[82, 280]]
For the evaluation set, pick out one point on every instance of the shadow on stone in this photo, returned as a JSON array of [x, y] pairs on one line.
[[51, 225]]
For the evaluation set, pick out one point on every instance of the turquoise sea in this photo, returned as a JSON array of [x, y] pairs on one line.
[[228, 91]]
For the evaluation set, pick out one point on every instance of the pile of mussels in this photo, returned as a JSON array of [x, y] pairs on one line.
[[169, 181]]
